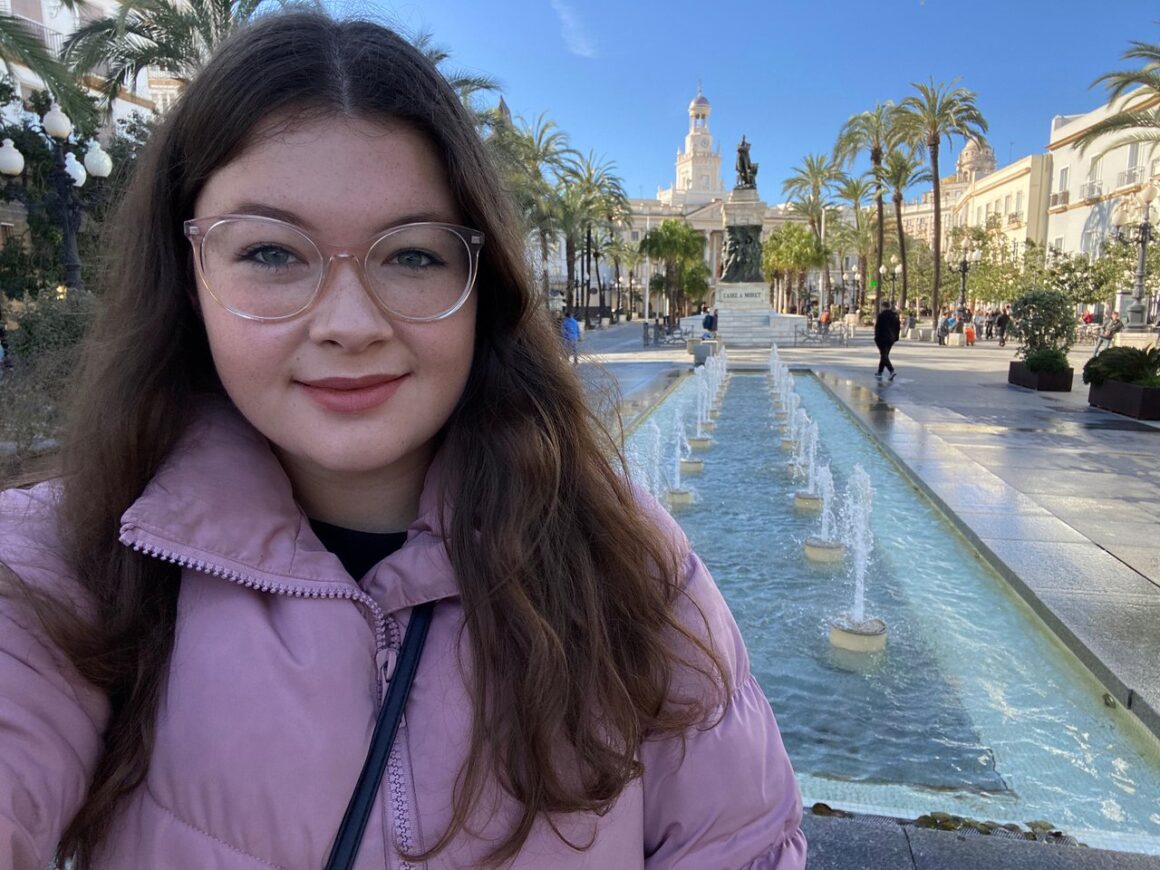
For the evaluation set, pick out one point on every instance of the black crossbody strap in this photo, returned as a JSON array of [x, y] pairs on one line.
[[354, 823]]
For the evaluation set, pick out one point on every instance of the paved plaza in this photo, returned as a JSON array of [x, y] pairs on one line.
[[1062, 499]]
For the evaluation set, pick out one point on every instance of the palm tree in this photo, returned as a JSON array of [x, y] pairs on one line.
[[810, 184], [902, 169], [853, 192], [874, 133], [21, 45], [601, 201], [179, 37], [1138, 125], [680, 248], [531, 159], [923, 119]]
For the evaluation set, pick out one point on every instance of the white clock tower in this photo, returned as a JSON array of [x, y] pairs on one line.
[[699, 165]]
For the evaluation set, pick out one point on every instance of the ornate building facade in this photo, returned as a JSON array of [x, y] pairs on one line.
[[697, 197]]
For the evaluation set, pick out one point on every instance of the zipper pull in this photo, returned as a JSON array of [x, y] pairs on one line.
[[385, 661]]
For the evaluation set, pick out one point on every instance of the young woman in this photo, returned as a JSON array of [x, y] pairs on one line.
[[322, 397]]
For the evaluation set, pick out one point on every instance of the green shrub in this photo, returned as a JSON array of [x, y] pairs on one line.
[[1130, 365], [1046, 359], [1042, 320]]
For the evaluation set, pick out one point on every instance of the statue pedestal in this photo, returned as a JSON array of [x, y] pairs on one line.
[[743, 208]]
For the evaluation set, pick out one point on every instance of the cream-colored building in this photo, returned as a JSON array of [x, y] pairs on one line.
[[973, 163], [696, 197], [52, 24], [1087, 186], [1017, 193]]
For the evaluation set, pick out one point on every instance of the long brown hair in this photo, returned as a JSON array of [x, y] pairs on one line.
[[569, 591]]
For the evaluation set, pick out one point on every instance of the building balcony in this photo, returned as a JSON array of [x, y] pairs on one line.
[[1060, 199], [1130, 176], [1091, 190], [52, 40], [1015, 219]]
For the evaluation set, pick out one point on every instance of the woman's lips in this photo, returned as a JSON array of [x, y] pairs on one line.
[[351, 395]]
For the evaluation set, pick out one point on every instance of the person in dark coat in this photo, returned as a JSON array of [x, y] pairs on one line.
[[887, 328]]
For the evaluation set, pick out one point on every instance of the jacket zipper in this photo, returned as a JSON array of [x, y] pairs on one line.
[[385, 656]]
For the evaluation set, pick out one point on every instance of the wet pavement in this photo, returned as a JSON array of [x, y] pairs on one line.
[[1063, 499]]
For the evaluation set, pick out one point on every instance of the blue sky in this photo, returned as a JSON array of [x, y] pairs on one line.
[[618, 76]]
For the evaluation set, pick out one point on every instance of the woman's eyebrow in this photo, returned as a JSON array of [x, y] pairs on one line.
[[262, 209]]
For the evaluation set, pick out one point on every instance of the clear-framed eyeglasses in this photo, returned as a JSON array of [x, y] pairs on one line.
[[266, 269]]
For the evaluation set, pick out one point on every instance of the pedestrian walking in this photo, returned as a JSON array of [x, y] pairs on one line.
[[1001, 323], [887, 329], [327, 466], [570, 332], [1112, 328]]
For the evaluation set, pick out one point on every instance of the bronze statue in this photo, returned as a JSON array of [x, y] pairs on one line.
[[746, 168], [741, 255]]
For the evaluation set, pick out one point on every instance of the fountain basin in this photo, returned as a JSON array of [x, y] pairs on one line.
[[708, 425], [827, 552], [692, 466], [867, 636], [788, 444], [714, 413], [700, 442], [680, 496], [807, 502]]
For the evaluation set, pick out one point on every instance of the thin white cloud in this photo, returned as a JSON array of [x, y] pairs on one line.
[[572, 29]]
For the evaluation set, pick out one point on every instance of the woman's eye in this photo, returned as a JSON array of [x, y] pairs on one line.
[[413, 259], [270, 256]]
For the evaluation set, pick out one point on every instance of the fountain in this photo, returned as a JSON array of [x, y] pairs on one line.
[[823, 547], [797, 423], [677, 494], [854, 631], [805, 463], [700, 440]]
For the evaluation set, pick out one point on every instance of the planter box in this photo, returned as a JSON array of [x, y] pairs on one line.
[[1055, 382], [1131, 400]]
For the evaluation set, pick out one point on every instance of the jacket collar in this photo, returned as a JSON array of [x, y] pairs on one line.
[[221, 499]]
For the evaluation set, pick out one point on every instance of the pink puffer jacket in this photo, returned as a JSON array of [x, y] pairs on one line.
[[277, 673]]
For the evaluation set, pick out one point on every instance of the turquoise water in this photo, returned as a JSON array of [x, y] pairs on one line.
[[975, 708]]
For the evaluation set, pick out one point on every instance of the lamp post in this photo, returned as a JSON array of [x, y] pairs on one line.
[[1140, 235], [67, 175], [970, 258], [878, 291], [895, 272]]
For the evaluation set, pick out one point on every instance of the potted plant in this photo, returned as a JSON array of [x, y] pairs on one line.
[[1043, 321], [1125, 380]]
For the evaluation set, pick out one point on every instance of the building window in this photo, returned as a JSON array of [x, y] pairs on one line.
[[1057, 245], [1094, 169], [979, 215], [1007, 204], [7, 231], [1063, 178], [1019, 201], [1133, 155], [636, 235]]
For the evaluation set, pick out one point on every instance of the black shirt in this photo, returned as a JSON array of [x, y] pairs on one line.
[[358, 551]]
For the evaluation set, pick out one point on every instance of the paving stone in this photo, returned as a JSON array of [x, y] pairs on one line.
[[948, 850], [853, 844]]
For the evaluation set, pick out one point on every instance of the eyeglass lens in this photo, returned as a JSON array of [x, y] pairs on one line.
[[269, 269]]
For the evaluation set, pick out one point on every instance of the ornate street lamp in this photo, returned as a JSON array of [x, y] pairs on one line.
[[970, 258], [67, 175], [1139, 235], [897, 271], [878, 291]]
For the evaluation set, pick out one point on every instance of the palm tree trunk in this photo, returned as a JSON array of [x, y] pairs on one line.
[[901, 245], [599, 287], [932, 145], [588, 277], [544, 270], [570, 258], [881, 222]]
